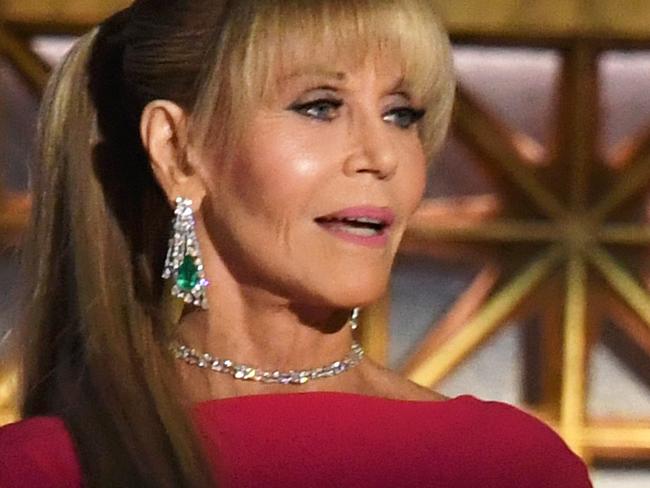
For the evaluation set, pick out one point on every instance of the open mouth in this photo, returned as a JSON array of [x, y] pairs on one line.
[[359, 226]]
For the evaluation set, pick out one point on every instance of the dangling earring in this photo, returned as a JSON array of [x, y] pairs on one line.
[[183, 262], [354, 318]]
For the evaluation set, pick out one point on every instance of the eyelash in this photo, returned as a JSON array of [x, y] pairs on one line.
[[413, 115], [304, 108]]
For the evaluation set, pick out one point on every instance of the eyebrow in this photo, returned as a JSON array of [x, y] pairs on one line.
[[399, 87], [316, 72]]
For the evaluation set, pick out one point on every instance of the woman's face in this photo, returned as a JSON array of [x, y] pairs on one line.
[[314, 202]]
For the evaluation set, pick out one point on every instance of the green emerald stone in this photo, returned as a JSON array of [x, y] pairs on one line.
[[188, 274]]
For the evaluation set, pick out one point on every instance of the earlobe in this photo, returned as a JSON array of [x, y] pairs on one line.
[[163, 131]]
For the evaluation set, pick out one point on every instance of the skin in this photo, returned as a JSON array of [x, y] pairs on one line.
[[327, 138]]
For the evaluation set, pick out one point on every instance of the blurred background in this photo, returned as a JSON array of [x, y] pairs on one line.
[[525, 275]]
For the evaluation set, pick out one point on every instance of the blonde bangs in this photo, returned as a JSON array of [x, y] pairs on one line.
[[286, 35]]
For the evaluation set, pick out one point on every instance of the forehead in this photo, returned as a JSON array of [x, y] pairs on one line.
[[399, 39], [338, 66]]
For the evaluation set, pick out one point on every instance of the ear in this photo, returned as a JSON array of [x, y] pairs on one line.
[[163, 129]]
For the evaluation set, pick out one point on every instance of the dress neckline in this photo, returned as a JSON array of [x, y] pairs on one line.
[[318, 395]]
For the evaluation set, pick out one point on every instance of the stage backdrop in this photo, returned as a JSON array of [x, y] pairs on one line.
[[524, 277]]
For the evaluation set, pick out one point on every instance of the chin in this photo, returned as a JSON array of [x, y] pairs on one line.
[[358, 290]]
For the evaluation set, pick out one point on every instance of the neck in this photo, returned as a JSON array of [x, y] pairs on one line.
[[268, 333]]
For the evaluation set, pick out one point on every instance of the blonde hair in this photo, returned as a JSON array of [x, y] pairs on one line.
[[267, 36], [95, 334]]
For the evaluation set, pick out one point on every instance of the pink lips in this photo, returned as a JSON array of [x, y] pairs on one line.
[[364, 225]]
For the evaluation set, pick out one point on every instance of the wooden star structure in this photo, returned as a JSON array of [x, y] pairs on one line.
[[564, 238]]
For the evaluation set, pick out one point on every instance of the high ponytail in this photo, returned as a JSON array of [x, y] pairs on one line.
[[95, 337], [95, 343]]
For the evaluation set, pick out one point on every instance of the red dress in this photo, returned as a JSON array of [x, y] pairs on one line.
[[335, 440]]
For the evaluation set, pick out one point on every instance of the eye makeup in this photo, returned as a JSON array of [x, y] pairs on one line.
[[404, 117], [320, 108]]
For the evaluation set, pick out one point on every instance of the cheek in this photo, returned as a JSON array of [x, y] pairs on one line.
[[414, 177], [278, 171]]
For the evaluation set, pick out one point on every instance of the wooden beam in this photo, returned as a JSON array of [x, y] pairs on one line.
[[625, 234], [493, 142], [61, 16], [625, 20], [453, 322], [634, 179], [628, 321], [617, 439], [611, 439], [27, 63], [574, 376], [8, 393], [487, 320], [433, 231], [577, 128], [622, 20], [620, 279], [14, 216], [542, 346]]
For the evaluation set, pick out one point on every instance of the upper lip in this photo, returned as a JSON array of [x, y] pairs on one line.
[[382, 215]]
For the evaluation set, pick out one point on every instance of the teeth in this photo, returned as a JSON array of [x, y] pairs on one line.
[[361, 231], [358, 226], [365, 220], [353, 220]]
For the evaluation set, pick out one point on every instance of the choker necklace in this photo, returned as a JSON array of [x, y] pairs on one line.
[[248, 373]]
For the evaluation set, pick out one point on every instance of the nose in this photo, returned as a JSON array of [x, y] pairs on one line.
[[373, 151]]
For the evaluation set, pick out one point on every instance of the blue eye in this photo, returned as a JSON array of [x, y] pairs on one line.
[[403, 117], [321, 109]]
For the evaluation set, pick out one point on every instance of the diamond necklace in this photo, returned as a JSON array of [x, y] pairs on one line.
[[249, 373]]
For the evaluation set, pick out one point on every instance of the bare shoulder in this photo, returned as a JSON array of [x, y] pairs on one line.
[[390, 384]]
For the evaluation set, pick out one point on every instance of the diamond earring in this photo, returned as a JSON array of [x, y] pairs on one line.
[[183, 262], [354, 318]]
